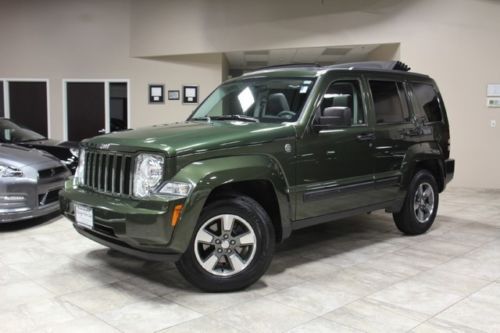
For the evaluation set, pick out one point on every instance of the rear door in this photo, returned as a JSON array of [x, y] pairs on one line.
[[393, 131]]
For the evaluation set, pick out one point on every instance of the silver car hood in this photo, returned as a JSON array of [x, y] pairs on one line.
[[20, 157]]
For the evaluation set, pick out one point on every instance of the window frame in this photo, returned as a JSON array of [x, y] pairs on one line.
[[403, 90], [416, 104], [361, 88]]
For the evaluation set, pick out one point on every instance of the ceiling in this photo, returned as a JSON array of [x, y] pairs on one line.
[[321, 55]]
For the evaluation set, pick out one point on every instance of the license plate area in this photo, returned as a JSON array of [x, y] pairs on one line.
[[84, 216]]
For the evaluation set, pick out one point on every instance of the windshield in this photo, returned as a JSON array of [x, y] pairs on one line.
[[10, 132], [268, 100]]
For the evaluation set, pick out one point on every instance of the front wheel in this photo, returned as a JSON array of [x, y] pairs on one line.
[[420, 206], [232, 246]]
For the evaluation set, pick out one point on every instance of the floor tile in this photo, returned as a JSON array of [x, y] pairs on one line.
[[479, 311], [18, 293], [263, 316], [80, 325], [441, 326], [312, 298], [210, 302], [417, 296], [148, 316], [372, 316], [321, 325], [105, 298], [202, 324]]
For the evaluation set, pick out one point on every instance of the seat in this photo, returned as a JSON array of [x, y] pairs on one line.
[[338, 115], [276, 103]]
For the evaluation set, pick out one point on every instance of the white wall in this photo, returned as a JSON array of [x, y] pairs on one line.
[[89, 39], [455, 41]]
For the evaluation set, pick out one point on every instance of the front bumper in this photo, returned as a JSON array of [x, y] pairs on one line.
[[141, 228], [25, 198], [18, 214]]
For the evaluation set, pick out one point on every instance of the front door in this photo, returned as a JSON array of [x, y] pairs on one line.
[[335, 164]]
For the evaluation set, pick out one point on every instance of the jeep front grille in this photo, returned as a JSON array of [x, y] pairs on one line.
[[108, 172]]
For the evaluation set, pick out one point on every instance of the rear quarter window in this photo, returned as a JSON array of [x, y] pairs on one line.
[[428, 101]]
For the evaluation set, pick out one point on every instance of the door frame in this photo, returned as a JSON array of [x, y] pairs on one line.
[[106, 101], [6, 97]]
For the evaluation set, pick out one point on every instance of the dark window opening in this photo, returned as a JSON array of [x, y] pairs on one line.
[[387, 102], [118, 106], [428, 100]]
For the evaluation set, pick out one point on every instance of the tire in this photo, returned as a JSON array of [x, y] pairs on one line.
[[417, 216], [216, 264]]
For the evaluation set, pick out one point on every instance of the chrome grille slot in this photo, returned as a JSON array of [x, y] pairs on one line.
[[108, 172]]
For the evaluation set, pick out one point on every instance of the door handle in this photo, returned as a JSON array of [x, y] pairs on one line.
[[366, 137]]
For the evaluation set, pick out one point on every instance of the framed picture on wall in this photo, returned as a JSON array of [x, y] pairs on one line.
[[173, 95], [156, 93], [190, 94]]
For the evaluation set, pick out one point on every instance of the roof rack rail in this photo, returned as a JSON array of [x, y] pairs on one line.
[[290, 65], [385, 65]]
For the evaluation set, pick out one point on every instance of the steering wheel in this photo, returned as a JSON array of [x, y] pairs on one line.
[[286, 114]]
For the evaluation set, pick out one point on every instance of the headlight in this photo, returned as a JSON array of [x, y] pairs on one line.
[[74, 151], [148, 174], [176, 188], [8, 171], [80, 169]]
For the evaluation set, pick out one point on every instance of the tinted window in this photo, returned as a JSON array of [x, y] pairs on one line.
[[428, 100], [343, 99], [387, 102]]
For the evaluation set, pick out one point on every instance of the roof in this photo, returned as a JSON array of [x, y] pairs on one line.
[[313, 69]]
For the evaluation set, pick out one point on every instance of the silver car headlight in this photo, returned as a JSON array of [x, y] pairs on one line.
[[176, 188], [80, 169], [148, 174], [8, 171], [74, 151]]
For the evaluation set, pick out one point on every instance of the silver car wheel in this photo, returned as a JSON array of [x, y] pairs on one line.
[[423, 202], [225, 245]]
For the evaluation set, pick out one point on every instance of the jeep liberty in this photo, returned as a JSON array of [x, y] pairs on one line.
[[266, 153]]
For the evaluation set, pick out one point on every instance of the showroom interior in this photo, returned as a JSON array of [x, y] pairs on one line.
[[117, 71]]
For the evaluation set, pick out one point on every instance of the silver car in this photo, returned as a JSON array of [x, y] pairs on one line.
[[30, 181]]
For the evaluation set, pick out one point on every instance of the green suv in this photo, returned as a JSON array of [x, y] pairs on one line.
[[267, 153]]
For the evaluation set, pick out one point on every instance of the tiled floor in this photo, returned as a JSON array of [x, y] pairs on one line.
[[354, 275]]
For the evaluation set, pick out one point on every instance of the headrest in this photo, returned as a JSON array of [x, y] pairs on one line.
[[342, 113], [276, 103]]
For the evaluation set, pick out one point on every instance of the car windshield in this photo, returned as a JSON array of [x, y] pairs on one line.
[[267, 100], [10, 132]]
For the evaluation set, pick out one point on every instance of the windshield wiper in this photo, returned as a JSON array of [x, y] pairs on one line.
[[235, 117]]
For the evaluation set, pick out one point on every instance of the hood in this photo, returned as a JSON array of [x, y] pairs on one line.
[[51, 143], [20, 157], [195, 136]]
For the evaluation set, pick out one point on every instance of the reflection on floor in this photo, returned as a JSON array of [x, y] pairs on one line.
[[354, 275]]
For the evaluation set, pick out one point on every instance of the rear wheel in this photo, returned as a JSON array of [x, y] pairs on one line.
[[420, 206], [232, 245]]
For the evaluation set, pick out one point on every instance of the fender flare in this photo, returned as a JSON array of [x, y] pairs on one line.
[[425, 151], [206, 175]]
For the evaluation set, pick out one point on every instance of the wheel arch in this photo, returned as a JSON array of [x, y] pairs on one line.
[[249, 175], [424, 156]]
